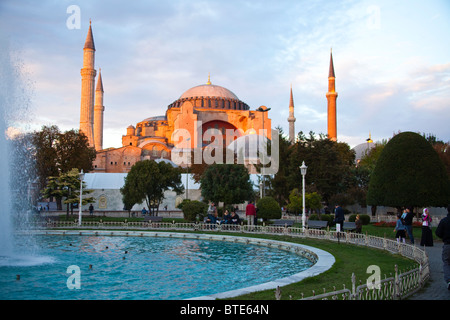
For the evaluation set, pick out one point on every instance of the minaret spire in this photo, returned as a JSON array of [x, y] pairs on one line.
[[291, 119], [331, 71], [88, 74], [98, 113], [331, 99]]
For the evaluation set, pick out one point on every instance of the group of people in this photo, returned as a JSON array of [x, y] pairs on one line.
[[233, 217], [228, 218], [404, 226], [404, 223]]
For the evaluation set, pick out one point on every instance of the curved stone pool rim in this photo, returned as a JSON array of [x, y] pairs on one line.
[[322, 260]]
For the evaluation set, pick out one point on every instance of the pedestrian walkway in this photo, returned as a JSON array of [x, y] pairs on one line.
[[436, 288]]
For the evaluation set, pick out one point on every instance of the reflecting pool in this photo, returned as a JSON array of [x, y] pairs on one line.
[[130, 268]]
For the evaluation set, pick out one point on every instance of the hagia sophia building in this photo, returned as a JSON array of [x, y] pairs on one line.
[[210, 105]]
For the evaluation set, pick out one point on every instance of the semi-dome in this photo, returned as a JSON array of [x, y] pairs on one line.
[[209, 90]]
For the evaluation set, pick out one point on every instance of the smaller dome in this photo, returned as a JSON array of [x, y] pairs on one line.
[[362, 149]]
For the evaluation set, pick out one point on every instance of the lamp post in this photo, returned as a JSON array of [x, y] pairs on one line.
[[263, 109], [303, 169], [81, 175]]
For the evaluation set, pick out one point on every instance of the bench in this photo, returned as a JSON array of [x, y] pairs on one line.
[[349, 226], [153, 219], [283, 223], [317, 224]]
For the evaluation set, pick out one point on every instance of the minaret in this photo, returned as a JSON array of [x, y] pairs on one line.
[[291, 119], [98, 113], [331, 97], [87, 88]]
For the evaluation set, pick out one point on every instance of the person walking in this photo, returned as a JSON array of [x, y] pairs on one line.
[[443, 232], [400, 229], [339, 217], [250, 213], [407, 221], [91, 210], [427, 235]]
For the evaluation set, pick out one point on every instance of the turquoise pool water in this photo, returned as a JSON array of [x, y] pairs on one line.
[[132, 268]]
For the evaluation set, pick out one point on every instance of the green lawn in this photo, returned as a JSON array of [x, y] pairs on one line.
[[349, 259]]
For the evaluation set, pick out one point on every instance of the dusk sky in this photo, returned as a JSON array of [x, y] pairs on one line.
[[391, 60]]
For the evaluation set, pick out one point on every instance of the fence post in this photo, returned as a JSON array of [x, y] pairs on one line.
[[396, 285], [354, 296]]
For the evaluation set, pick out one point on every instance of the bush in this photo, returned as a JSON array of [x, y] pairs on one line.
[[323, 217], [364, 218], [268, 208], [194, 209], [182, 203]]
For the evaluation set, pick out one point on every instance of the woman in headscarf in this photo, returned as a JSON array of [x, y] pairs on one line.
[[427, 235]]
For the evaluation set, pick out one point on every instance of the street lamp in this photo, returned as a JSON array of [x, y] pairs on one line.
[[263, 109], [303, 169], [81, 175]]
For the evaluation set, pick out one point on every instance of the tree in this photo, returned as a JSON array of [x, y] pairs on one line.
[[279, 182], [129, 199], [329, 164], [67, 185], [295, 202], [409, 172], [56, 153], [227, 183], [147, 181], [313, 201], [44, 142], [268, 208]]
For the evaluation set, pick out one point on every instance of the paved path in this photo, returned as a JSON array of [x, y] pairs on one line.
[[436, 288]]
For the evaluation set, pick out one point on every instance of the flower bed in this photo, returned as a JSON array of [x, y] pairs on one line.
[[392, 224]]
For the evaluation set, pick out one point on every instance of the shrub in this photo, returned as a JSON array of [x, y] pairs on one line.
[[364, 218], [194, 209], [409, 172], [323, 217], [268, 208]]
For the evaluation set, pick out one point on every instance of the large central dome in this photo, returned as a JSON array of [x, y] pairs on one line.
[[209, 90], [210, 96]]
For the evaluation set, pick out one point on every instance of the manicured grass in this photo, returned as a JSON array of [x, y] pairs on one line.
[[389, 233], [349, 259]]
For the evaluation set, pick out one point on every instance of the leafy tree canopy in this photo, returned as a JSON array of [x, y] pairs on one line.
[[409, 172], [57, 152], [227, 183], [147, 181]]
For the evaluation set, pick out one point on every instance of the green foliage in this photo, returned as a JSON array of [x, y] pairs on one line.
[[58, 152], [329, 164], [194, 210], [363, 217], [409, 172], [147, 181], [182, 203], [227, 183], [313, 201], [295, 202], [323, 217], [268, 208], [67, 186]]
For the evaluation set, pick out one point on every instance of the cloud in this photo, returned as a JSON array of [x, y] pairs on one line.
[[151, 52]]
